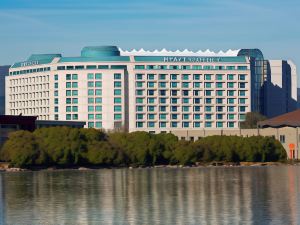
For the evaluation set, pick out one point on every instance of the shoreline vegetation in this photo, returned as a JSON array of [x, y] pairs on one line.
[[69, 148]]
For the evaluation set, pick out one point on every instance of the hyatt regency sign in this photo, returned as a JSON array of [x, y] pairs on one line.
[[191, 59], [29, 63]]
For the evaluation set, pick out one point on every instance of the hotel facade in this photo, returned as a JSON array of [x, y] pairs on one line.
[[159, 91]]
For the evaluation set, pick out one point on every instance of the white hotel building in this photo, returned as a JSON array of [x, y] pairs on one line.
[[158, 91]]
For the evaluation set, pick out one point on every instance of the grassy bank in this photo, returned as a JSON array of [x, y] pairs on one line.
[[71, 147]]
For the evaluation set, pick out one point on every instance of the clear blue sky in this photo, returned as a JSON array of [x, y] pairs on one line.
[[65, 26]]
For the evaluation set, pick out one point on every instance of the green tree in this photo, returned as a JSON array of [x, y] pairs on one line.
[[252, 118]]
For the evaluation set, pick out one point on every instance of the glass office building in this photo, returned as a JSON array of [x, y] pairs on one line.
[[157, 91]]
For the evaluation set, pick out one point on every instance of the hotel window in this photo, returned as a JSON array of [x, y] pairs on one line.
[[196, 67], [162, 76], [150, 84], [68, 77], [68, 109], [139, 116], [117, 116], [242, 109], [185, 92], [139, 124], [163, 67], [162, 100], [151, 100], [55, 77], [242, 101], [74, 85], [68, 85], [75, 108], [208, 124], [151, 124], [68, 101], [162, 108], [219, 116], [196, 76], [90, 92], [242, 85], [139, 76], [197, 117], [208, 100], [98, 76], [196, 100], [174, 108], [196, 124], [162, 124], [74, 77], [174, 84], [139, 67], [230, 116], [174, 100], [230, 100], [139, 84], [185, 124], [91, 84], [150, 76], [68, 117], [118, 92], [91, 100], [98, 124], [230, 67], [55, 109], [91, 67], [98, 92], [68, 93], [172, 67], [98, 116], [207, 76], [230, 124], [55, 85], [151, 108], [173, 76], [230, 77], [162, 84], [185, 100], [242, 116], [208, 116], [90, 116], [139, 100], [185, 84], [219, 93], [140, 108], [90, 108], [174, 116], [55, 117], [98, 84], [151, 116], [185, 108], [242, 93], [230, 93], [230, 85], [117, 76], [219, 77], [185, 67], [117, 84], [151, 92], [242, 76], [173, 92], [230, 108], [91, 124], [196, 84], [117, 100], [174, 124], [242, 67], [219, 85], [185, 116], [185, 76], [90, 76], [219, 124], [208, 108], [98, 108], [219, 100], [162, 116], [208, 93], [56, 101]]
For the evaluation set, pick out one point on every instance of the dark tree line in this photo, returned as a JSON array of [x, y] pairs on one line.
[[66, 147]]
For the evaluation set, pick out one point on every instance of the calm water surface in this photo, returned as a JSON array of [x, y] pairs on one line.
[[244, 195]]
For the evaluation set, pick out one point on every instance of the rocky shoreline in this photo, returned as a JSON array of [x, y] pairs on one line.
[[4, 167]]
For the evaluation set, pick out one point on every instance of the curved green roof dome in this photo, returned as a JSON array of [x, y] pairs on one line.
[[98, 51]]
